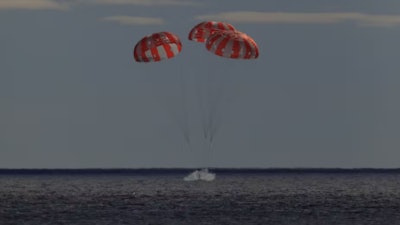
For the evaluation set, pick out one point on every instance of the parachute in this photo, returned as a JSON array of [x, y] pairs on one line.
[[232, 44], [222, 39], [157, 47], [203, 30], [211, 81]]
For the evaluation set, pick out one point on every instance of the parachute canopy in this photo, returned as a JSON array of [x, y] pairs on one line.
[[203, 30], [232, 44], [157, 47]]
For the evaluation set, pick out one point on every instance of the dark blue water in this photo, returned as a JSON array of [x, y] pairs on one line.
[[235, 197]]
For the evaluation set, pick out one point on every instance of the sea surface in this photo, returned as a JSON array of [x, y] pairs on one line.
[[274, 196]]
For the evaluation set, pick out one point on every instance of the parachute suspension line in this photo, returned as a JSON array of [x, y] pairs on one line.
[[210, 106], [208, 153], [218, 104], [165, 100], [200, 85], [173, 104], [215, 107], [185, 125], [204, 93], [208, 100], [214, 82], [214, 97], [232, 89]]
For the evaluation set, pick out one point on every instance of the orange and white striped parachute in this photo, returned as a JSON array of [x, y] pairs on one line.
[[203, 30], [157, 47], [232, 44]]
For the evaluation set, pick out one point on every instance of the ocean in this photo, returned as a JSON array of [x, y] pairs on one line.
[[157, 196]]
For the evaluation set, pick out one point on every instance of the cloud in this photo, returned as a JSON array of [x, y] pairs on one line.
[[134, 20], [66, 4], [143, 2], [32, 4], [304, 18]]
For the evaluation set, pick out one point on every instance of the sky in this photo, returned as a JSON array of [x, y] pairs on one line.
[[324, 91]]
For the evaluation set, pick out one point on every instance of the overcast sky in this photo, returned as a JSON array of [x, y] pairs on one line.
[[324, 91]]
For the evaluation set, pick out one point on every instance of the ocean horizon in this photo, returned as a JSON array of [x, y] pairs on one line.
[[177, 170]]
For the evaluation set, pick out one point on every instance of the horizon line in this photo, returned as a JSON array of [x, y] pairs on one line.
[[158, 170]]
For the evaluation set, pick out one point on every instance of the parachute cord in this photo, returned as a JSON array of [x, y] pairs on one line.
[[231, 89], [215, 107], [208, 100], [209, 104], [201, 101], [175, 113], [214, 94], [185, 125], [220, 115], [209, 153]]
